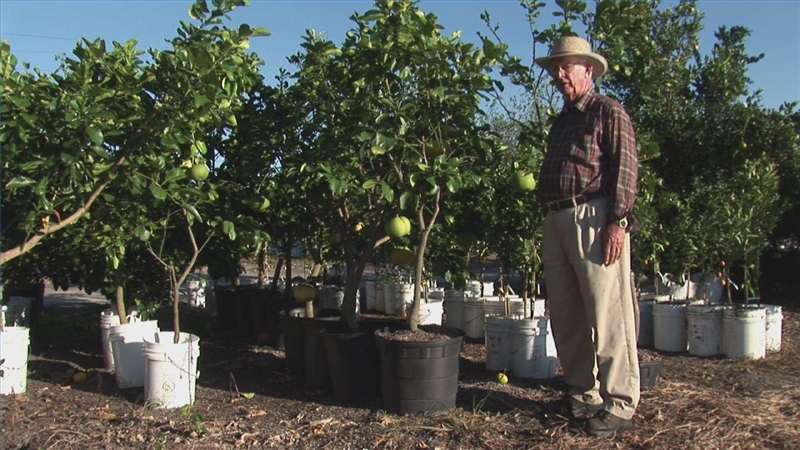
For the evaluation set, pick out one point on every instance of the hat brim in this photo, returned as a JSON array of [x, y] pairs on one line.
[[598, 62]]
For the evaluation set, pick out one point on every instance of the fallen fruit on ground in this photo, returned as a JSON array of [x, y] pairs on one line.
[[502, 378]]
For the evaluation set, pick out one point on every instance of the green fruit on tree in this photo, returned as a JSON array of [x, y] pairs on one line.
[[402, 256], [304, 293], [199, 172], [523, 181], [398, 227], [259, 204], [407, 222]]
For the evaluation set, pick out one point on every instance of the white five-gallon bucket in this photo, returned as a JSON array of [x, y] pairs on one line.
[[538, 307], [369, 295], [397, 296], [533, 349], [430, 313], [107, 320], [126, 343], [774, 327], [170, 375], [669, 327], [498, 343], [14, 350], [473, 317], [704, 329], [744, 332], [454, 309]]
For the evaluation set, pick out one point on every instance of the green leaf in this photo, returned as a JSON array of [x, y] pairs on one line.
[[95, 135], [248, 395], [229, 229], [157, 192], [18, 182], [387, 191], [369, 184], [193, 211]]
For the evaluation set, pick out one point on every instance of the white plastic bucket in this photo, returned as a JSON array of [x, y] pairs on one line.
[[107, 320], [14, 350], [170, 370], [744, 331], [398, 295], [669, 327], [331, 298], [473, 289], [774, 327], [430, 313], [126, 343], [369, 295], [473, 318], [492, 306], [498, 343], [533, 349], [538, 307], [704, 329], [196, 292], [454, 309]]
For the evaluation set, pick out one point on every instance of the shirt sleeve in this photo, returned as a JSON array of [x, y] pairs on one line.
[[624, 164]]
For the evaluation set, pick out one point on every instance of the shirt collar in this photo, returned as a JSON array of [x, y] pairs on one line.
[[582, 103]]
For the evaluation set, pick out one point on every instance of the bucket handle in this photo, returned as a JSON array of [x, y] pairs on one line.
[[179, 367]]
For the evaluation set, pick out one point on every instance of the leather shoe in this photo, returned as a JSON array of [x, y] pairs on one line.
[[606, 424], [580, 410]]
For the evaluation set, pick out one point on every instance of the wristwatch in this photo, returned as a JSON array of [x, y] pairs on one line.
[[623, 223]]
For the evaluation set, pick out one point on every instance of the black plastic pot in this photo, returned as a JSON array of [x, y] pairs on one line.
[[649, 371], [226, 307], [419, 377], [354, 362], [294, 339], [316, 373]]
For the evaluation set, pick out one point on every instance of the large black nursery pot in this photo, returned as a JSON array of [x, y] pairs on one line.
[[419, 376], [303, 346], [353, 360]]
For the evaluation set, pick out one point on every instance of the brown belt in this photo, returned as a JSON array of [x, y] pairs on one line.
[[571, 202]]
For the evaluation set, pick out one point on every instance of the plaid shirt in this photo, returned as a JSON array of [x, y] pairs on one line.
[[592, 148]]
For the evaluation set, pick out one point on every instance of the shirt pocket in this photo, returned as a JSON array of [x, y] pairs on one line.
[[582, 149]]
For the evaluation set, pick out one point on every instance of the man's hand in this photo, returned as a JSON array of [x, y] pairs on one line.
[[614, 242]]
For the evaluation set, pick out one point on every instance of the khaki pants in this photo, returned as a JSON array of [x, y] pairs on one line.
[[591, 309]]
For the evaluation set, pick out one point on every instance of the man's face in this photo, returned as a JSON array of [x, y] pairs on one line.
[[572, 77]]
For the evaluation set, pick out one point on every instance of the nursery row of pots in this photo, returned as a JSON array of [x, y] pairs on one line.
[[710, 329]]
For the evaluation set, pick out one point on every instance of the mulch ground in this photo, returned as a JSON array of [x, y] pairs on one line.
[[702, 403]]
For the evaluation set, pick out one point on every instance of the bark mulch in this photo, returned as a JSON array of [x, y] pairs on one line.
[[248, 399]]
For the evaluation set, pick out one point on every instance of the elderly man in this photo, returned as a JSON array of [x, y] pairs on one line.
[[587, 187]]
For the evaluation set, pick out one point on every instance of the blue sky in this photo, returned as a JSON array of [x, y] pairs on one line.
[[40, 30]]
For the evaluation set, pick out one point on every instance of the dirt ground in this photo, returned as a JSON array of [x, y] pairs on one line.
[[701, 403]]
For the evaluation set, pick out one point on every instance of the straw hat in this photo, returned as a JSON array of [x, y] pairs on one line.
[[574, 46]]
